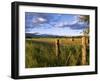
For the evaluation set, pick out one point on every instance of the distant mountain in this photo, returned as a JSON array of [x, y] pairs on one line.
[[30, 35]]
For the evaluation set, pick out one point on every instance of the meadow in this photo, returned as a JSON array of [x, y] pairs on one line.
[[41, 52]]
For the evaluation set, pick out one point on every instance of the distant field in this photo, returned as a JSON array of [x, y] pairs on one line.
[[41, 52]]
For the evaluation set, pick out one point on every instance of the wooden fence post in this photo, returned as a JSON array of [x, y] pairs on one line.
[[57, 48], [83, 50]]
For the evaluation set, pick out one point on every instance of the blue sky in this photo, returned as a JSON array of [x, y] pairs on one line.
[[54, 24]]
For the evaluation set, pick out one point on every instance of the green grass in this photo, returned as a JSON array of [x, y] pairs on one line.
[[42, 53]]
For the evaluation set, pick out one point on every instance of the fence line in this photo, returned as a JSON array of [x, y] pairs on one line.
[[83, 49]]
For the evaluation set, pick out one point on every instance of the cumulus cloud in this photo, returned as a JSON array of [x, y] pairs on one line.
[[66, 23], [78, 25], [38, 20], [60, 24], [75, 24], [47, 21]]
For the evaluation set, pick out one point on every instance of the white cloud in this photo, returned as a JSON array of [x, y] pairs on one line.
[[38, 20], [65, 23], [75, 20], [61, 24], [41, 19]]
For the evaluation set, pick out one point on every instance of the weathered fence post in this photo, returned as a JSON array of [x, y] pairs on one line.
[[83, 50], [57, 48]]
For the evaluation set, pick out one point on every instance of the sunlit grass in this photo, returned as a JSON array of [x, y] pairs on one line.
[[41, 52]]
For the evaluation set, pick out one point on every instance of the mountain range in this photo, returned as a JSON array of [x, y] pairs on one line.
[[32, 35]]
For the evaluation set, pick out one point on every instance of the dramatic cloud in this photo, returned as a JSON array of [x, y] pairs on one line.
[[75, 24], [67, 22], [78, 25], [52, 23]]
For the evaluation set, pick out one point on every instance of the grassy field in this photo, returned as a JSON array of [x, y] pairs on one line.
[[41, 52]]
